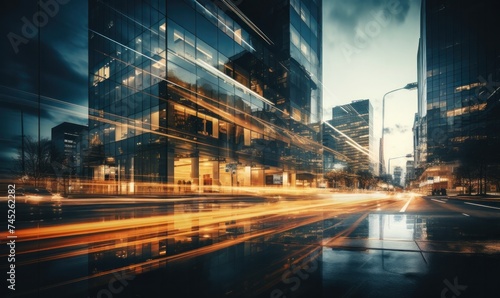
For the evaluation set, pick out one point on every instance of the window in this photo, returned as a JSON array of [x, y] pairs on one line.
[[294, 36]]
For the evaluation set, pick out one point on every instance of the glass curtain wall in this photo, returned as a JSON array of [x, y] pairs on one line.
[[183, 97]]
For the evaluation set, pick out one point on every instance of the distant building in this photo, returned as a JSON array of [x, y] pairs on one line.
[[65, 138], [350, 134], [398, 174], [410, 172]]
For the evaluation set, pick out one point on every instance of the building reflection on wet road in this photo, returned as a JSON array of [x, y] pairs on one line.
[[252, 247]]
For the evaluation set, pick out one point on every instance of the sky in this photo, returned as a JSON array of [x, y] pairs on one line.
[[369, 48], [58, 53]]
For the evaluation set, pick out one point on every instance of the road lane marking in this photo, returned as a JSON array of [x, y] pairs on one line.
[[465, 214], [436, 200], [406, 205], [482, 205]]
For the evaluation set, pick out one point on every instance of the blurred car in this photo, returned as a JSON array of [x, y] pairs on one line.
[[36, 194], [41, 204]]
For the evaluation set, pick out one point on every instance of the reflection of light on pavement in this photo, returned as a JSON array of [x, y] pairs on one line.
[[190, 219], [184, 220], [391, 226]]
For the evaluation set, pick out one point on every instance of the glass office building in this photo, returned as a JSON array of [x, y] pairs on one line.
[[459, 74], [350, 134], [189, 94], [64, 138]]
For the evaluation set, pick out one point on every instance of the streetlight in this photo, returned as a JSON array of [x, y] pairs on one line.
[[389, 162], [409, 86]]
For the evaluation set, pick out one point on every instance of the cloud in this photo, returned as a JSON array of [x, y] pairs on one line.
[[353, 19], [58, 63], [7, 155], [56, 67], [397, 129]]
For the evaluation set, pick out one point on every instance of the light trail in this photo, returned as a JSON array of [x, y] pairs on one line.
[[182, 226], [352, 143], [215, 217], [81, 239]]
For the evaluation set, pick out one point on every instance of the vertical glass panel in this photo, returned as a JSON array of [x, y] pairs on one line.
[[305, 15], [314, 26], [225, 45], [294, 36], [247, 138], [215, 128], [155, 119], [206, 53], [189, 41], [225, 23], [182, 14], [206, 31]]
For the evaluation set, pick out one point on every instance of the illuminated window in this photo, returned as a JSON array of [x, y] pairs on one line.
[[294, 37], [101, 75], [468, 87], [304, 15], [304, 48], [246, 136], [237, 36]]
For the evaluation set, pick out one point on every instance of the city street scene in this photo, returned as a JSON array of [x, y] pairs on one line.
[[250, 148]]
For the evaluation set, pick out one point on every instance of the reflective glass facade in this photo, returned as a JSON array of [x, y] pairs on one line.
[[193, 93], [459, 71], [350, 135]]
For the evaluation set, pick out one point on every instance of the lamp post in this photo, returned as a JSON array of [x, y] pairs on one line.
[[409, 86]]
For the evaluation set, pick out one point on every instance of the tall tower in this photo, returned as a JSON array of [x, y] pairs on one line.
[[352, 128], [204, 92], [459, 75]]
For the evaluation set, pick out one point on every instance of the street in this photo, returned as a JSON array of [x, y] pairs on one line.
[[273, 245]]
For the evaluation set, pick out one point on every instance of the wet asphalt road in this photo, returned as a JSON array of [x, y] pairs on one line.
[[397, 246], [437, 247]]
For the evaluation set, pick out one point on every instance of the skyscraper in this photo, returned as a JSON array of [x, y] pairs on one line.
[[350, 132], [65, 137], [459, 75], [410, 172], [398, 174], [203, 92]]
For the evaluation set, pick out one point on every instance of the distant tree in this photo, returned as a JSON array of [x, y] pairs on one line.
[[37, 160], [479, 165], [463, 173], [366, 179], [335, 178], [351, 178], [342, 178], [387, 178], [62, 165]]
